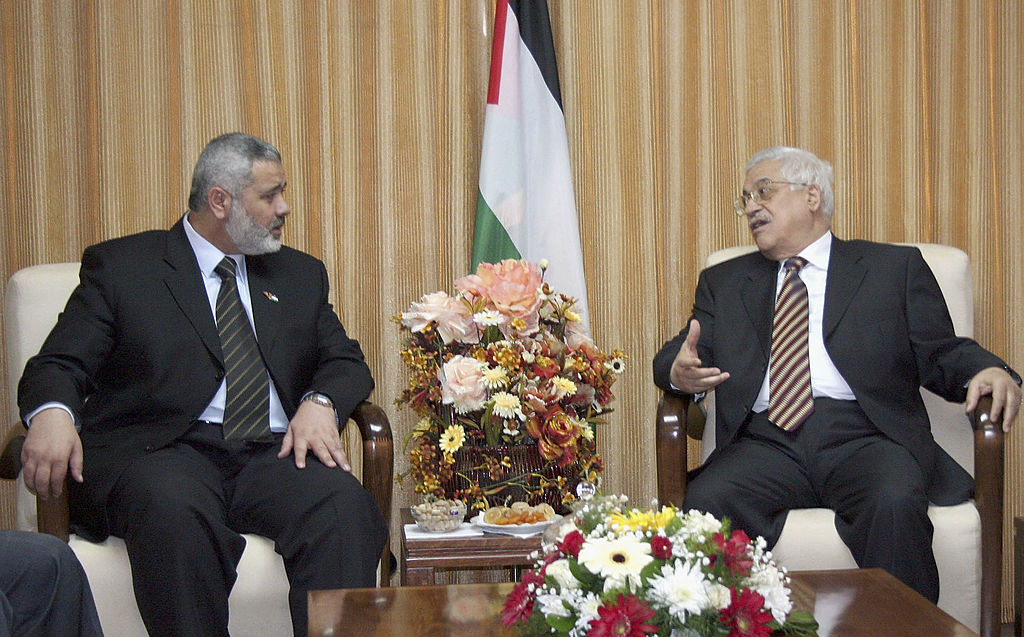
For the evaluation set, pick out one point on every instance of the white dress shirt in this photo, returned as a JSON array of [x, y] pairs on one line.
[[208, 257], [826, 381]]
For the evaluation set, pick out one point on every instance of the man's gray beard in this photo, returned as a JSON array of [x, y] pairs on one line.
[[248, 235]]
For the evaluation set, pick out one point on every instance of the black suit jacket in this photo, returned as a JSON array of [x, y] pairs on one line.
[[886, 328], [137, 358]]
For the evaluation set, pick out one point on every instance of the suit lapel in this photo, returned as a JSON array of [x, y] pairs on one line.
[[846, 272], [185, 283], [759, 299], [266, 304]]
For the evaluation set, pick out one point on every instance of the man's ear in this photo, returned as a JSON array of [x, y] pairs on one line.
[[219, 201], [814, 197]]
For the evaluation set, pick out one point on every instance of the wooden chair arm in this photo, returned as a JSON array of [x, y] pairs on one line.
[[52, 513], [670, 448], [378, 466], [989, 458]]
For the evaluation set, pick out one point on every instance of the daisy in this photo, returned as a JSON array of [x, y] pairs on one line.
[[452, 438], [679, 588], [616, 365], [495, 377], [487, 318], [507, 405], [618, 559], [562, 387]]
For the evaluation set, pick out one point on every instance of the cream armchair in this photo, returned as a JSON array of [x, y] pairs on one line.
[[259, 599], [968, 537]]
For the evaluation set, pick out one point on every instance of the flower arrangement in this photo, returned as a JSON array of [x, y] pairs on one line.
[[611, 570], [504, 363]]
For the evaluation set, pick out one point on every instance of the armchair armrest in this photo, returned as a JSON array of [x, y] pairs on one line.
[[378, 466], [989, 457], [52, 513], [670, 448]]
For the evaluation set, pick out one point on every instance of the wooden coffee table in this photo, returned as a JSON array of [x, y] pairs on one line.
[[422, 557], [845, 603]]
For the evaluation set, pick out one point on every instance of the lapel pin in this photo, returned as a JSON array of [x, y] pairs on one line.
[[272, 297]]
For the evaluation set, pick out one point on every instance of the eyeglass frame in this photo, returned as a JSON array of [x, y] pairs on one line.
[[740, 203]]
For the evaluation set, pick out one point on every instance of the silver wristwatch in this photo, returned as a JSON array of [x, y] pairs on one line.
[[320, 399]]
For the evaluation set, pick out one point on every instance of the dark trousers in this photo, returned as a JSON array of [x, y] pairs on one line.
[[181, 509], [837, 460], [43, 590]]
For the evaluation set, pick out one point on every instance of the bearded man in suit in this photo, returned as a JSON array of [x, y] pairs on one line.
[[851, 432], [177, 439]]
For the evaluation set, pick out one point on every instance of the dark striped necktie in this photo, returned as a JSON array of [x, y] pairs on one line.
[[789, 382], [247, 406]]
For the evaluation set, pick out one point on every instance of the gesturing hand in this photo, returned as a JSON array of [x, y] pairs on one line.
[[687, 374]]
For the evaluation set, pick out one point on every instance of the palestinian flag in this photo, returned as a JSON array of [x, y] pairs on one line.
[[526, 208]]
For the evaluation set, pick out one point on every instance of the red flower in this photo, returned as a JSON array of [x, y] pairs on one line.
[[519, 603], [746, 616], [735, 551], [661, 547], [571, 543], [625, 618]]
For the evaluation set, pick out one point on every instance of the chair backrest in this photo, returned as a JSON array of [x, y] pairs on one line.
[[35, 297], [950, 425]]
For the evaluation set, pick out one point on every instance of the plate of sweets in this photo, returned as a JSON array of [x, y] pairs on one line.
[[518, 519]]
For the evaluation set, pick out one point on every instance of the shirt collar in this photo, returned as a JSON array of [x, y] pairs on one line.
[[818, 253], [208, 255]]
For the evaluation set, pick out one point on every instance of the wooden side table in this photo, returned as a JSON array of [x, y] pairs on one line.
[[421, 557], [1018, 576]]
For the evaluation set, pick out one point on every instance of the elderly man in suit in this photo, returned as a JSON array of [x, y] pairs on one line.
[[817, 348], [193, 388]]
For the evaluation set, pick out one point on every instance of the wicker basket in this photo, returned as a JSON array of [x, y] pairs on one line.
[[525, 460]]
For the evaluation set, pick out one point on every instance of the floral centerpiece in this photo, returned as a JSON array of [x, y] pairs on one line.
[[505, 365], [612, 570]]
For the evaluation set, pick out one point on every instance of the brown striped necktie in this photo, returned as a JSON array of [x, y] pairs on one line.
[[789, 383], [247, 406]]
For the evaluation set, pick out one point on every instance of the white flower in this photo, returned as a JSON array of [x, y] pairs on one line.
[[551, 604], [487, 318], [618, 559], [562, 387], [769, 581], [587, 611], [495, 377], [679, 589], [559, 569], [507, 405], [718, 595]]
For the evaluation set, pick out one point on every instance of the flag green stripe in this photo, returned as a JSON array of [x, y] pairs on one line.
[[491, 242]]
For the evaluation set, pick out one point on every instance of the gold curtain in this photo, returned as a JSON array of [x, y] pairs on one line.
[[377, 107]]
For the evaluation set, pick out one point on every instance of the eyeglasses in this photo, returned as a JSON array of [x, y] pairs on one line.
[[764, 190]]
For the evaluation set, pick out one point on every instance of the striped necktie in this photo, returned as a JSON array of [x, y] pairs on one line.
[[247, 406], [789, 383]]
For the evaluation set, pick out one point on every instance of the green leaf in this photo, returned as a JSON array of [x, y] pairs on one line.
[[800, 622], [561, 624]]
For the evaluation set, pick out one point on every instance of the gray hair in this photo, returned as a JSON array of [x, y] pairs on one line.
[[226, 162], [804, 167]]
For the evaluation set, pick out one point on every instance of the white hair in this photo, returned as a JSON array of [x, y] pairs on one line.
[[804, 167]]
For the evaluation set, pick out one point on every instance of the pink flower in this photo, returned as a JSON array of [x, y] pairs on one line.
[[453, 320], [462, 384], [512, 286], [576, 335]]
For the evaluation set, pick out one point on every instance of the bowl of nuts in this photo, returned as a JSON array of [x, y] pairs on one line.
[[439, 516]]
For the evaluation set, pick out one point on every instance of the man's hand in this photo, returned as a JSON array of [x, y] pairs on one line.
[[687, 375], [52, 447], [1006, 395], [314, 428]]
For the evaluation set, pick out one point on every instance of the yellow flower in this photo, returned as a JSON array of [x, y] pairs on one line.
[[452, 439], [573, 316], [643, 520], [563, 386], [422, 427]]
